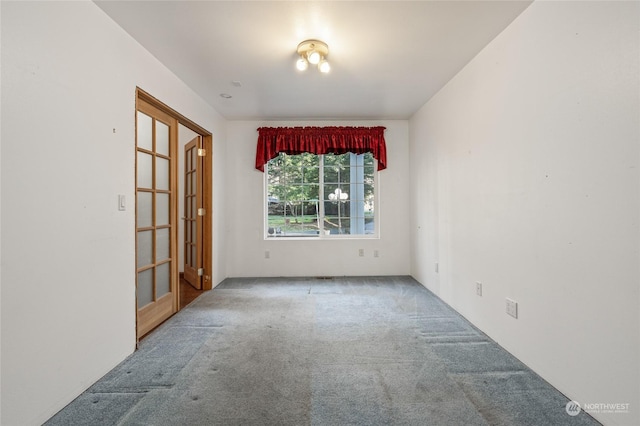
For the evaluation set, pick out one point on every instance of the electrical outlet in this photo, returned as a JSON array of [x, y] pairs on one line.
[[267, 255], [512, 308], [376, 253], [478, 288], [361, 252]]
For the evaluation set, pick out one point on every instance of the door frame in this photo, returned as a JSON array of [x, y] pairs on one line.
[[207, 187]]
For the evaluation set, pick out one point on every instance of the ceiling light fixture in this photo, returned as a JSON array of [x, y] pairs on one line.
[[313, 52]]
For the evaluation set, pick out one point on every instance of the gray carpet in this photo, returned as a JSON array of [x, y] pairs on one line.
[[343, 351]]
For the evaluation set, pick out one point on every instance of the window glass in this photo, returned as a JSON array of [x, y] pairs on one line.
[[310, 195]]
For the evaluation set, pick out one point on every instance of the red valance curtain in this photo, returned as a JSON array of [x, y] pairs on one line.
[[320, 140]]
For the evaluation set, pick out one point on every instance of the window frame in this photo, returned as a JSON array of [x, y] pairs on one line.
[[321, 213]]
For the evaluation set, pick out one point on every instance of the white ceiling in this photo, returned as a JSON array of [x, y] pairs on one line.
[[387, 58]]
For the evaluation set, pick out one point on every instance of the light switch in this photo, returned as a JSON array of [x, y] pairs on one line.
[[122, 204]]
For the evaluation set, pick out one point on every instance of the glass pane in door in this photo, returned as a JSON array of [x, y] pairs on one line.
[[145, 248], [145, 287], [144, 131], [162, 138], [162, 173], [144, 168], [163, 244], [162, 209], [163, 279], [145, 209]]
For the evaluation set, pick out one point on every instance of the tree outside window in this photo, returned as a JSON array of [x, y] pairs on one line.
[[311, 195]]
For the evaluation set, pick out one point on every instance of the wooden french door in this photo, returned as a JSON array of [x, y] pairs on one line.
[[193, 212], [156, 217]]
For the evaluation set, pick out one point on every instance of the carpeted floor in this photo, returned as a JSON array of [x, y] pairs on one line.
[[342, 351]]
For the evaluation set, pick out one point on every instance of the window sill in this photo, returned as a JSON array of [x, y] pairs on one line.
[[321, 238]]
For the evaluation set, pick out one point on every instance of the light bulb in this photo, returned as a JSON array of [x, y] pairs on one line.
[[324, 66], [302, 64], [313, 57]]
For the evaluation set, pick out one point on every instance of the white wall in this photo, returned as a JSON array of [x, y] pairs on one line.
[[245, 189], [69, 75], [525, 177]]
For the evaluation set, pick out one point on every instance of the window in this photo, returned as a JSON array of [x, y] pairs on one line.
[[321, 196]]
